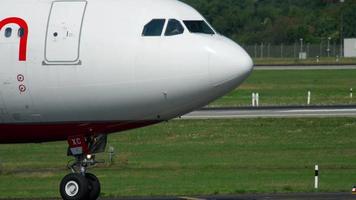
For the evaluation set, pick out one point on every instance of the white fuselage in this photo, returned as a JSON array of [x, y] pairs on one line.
[[87, 61]]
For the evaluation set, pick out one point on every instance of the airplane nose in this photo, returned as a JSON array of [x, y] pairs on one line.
[[228, 62]]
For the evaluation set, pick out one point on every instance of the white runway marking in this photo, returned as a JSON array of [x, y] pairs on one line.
[[323, 110], [271, 113], [305, 67]]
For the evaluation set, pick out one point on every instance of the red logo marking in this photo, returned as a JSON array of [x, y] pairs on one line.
[[23, 41]]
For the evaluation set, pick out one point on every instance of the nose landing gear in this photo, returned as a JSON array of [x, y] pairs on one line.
[[80, 185]]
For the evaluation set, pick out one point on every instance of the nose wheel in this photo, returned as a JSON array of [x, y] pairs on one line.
[[80, 185], [93, 186], [74, 187]]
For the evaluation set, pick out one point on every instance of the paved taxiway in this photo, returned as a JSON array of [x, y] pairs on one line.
[[274, 112], [291, 196], [301, 196], [303, 67]]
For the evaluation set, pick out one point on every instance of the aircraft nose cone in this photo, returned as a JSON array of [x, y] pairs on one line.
[[229, 62]]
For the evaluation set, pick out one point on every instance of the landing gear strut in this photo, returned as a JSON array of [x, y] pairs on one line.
[[80, 185]]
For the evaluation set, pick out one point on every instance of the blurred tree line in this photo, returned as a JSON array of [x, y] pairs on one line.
[[280, 21]]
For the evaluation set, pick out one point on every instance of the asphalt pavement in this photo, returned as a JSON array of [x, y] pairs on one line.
[[292, 196], [303, 67], [273, 112]]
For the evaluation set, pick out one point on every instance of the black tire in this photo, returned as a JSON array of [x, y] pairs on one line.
[[93, 186], [74, 187]]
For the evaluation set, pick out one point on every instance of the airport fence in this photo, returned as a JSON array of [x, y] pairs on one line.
[[267, 50]]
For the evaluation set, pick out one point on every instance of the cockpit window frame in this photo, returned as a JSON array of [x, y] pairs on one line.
[[211, 30], [161, 28]]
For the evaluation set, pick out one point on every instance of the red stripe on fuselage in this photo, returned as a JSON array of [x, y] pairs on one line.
[[23, 41], [35, 133]]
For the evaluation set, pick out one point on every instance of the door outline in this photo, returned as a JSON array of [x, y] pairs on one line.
[[77, 61]]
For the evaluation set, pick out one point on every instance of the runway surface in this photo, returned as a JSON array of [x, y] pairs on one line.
[[291, 196], [303, 67], [273, 112], [301, 196]]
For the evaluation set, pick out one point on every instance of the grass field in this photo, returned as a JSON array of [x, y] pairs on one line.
[[186, 157], [290, 87], [309, 61]]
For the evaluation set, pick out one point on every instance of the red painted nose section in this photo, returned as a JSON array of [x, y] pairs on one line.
[[35, 133]]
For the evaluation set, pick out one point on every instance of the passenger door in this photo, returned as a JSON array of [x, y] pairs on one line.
[[64, 32]]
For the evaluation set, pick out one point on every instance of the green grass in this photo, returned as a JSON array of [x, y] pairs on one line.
[[309, 61], [187, 157], [290, 87]]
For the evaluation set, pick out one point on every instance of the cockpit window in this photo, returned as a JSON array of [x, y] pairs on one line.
[[198, 26], [21, 32], [8, 32], [154, 28], [174, 27]]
